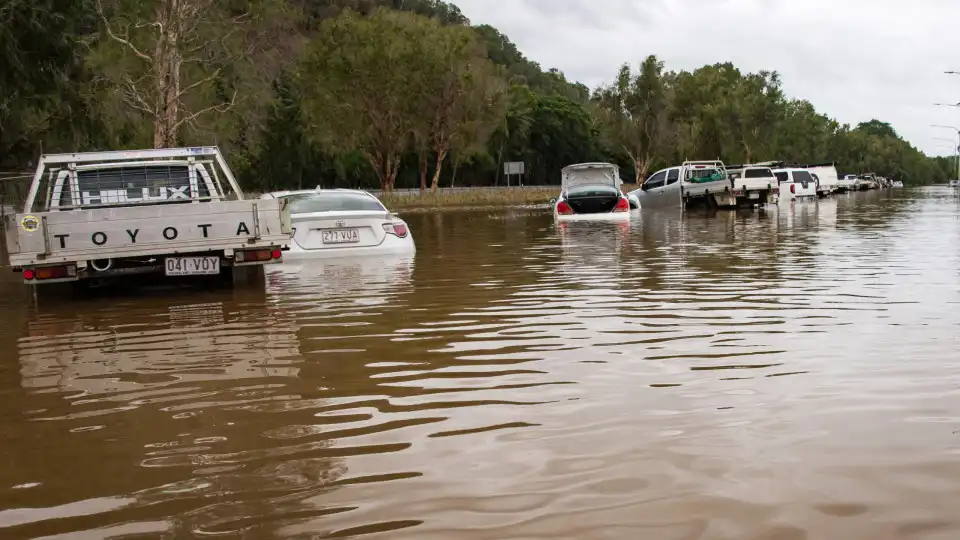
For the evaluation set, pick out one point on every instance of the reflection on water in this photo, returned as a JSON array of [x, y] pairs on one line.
[[777, 374]]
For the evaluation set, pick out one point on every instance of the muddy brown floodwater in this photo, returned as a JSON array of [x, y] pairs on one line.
[[786, 375]]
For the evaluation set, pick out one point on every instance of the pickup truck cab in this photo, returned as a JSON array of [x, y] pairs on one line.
[[795, 184], [172, 212]]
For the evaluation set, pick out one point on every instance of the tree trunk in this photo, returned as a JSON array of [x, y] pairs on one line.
[[167, 62], [441, 155], [636, 171], [423, 171], [386, 183], [496, 181], [746, 148], [456, 167], [392, 177]]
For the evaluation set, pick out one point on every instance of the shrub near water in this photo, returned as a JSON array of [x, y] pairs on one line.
[[470, 197]]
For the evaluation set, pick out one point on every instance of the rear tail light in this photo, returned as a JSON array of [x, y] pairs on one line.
[[623, 205], [50, 272], [793, 188], [396, 228], [564, 209], [256, 255]]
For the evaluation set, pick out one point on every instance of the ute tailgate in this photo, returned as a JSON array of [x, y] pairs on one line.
[[148, 230]]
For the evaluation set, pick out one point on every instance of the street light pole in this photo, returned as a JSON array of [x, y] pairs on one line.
[[958, 143]]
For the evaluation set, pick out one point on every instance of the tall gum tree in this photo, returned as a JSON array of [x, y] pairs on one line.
[[176, 61], [633, 111], [360, 85], [464, 99], [381, 82]]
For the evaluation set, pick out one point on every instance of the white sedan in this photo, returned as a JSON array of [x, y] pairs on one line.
[[591, 191], [342, 222]]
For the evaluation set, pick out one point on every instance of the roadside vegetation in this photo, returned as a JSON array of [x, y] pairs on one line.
[[477, 197], [384, 94]]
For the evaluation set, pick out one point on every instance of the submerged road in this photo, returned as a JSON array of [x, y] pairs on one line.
[[781, 375]]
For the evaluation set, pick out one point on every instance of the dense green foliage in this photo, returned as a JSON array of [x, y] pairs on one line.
[[385, 93]]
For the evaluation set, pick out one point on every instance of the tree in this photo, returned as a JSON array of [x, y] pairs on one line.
[[634, 109], [41, 44], [754, 111], [175, 61], [462, 95], [361, 86], [512, 134], [562, 132]]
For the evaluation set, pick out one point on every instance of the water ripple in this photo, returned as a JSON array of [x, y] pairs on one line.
[[779, 374]]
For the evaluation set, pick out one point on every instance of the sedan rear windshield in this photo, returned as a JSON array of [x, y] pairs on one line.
[[308, 203]]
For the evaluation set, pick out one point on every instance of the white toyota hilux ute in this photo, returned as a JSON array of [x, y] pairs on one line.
[[170, 212]]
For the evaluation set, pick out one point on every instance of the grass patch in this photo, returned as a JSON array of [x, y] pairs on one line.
[[470, 197]]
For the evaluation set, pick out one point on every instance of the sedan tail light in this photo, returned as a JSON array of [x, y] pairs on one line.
[[623, 205], [793, 188], [564, 209], [396, 228]]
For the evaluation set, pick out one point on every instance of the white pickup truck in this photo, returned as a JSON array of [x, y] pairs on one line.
[[170, 212], [753, 185], [705, 183]]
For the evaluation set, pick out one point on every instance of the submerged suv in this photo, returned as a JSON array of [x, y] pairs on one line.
[[795, 184]]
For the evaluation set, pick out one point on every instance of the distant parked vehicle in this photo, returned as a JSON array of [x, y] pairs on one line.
[[795, 183], [342, 222], [867, 181], [591, 191], [847, 183], [826, 176]]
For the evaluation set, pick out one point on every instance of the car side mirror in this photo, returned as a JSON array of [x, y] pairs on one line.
[[643, 186], [553, 201]]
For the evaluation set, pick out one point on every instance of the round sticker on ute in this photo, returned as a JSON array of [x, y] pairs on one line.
[[30, 223]]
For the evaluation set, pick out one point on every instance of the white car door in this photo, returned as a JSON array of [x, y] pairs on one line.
[[673, 189], [651, 191]]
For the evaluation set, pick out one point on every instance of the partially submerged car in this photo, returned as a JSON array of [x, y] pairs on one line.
[[342, 222], [795, 183], [847, 183], [591, 191]]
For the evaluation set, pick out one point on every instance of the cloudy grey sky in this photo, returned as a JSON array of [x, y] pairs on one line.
[[853, 59]]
